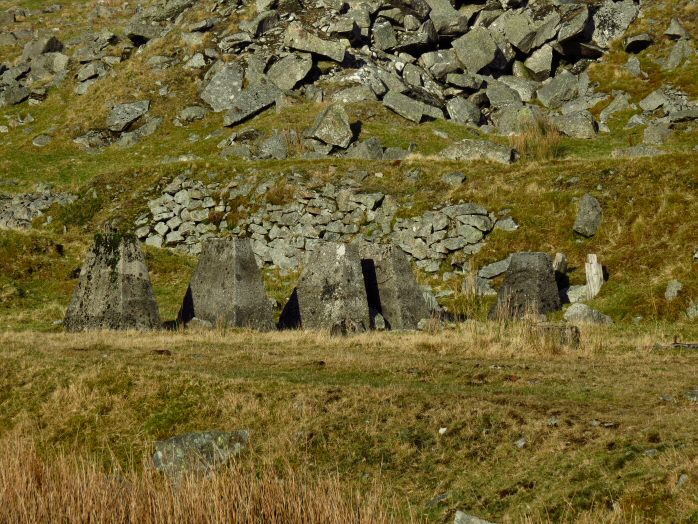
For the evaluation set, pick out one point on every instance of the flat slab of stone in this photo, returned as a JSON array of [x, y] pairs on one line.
[[529, 287], [224, 87], [251, 101], [330, 292], [298, 38], [123, 115], [226, 288], [480, 150], [198, 452], [114, 291], [391, 287]]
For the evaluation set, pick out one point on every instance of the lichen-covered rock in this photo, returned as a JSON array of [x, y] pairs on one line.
[[114, 291], [226, 288], [529, 287], [332, 127], [589, 216]]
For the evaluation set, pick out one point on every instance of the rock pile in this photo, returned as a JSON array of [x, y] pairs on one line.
[[114, 290], [226, 288], [18, 211], [188, 212]]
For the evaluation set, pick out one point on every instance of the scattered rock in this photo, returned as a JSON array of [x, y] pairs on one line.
[[673, 289], [579, 314], [123, 115], [589, 216], [480, 150], [332, 127]]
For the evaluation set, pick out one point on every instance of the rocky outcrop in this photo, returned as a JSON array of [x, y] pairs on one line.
[[19, 211], [226, 288], [114, 290]]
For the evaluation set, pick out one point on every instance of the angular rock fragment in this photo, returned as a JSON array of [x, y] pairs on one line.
[[589, 216], [251, 101], [612, 20], [290, 70], [332, 127], [578, 124], [298, 38], [529, 287], [330, 292], [123, 115], [226, 288], [114, 291], [480, 150], [391, 287], [476, 49], [580, 314], [405, 106], [223, 87]]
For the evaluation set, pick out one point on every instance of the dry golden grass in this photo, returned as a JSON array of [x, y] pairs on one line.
[[539, 139], [68, 489]]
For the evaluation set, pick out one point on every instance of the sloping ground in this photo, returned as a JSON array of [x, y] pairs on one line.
[[482, 419]]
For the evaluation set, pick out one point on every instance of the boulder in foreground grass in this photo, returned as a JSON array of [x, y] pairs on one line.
[[480, 150], [227, 287], [529, 287], [198, 452], [114, 291]]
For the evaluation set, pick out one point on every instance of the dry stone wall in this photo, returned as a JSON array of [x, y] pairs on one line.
[[189, 212]]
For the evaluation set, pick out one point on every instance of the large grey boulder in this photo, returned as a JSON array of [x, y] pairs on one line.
[[529, 287], [560, 89], [123, 115], [589, 216], [298, 38], [476, 49], [198, 453], [465, 518], [40, 46], [251, 101], [578, 124], [405, 106], [226, 288], [391, 287], [223, 87], [463, 111], [330, 292], [580, 314], [114, 291], [480, 150], [287, 72], [332, 127], [612, 20]]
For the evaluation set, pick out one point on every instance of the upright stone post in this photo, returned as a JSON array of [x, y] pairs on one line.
[[391, 287], [330, 293], [226, 288], [594, 275], [114, 291]]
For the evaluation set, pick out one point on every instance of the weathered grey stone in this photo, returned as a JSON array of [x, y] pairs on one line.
[[384, 35], [192, 113], [682, 51], [480, 150], [637, 43], [40, 46], [298, 38], [672, 291], [676, 30], [14, 94], [464, 518], [495, 268], [405, 106], [557, 335], [226, 288], [352, 95], [540, 62], [612, 20], [391, 288], [580, 314], [290, 70], [589, 216], [123, 115], [446, 19], [529, 287], [559, 90], [114, 291], [198, 453], [578, 124], [656, 133], [463, 111], [454, 179], [223, 87], [476, 49], [330, 292], [332, 127], [251, 101]]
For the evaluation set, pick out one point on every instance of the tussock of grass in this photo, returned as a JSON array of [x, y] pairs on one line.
[[539, 139]]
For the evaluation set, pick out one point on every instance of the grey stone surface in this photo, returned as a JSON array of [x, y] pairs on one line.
[[223, 87], [296, 37], [330, 292], [251, 101], [480, 150], [612, 20], [332, 127], [589, 216], [529, 287], [578, 124], [672, 291], [290, 70], [580, 314], [226, 288], [123, 115], [495, 268], [464, 518], [463, 111], [114, 291], [476, 49], [405, 106], [559, 90], [391, 288], [198, 453]]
